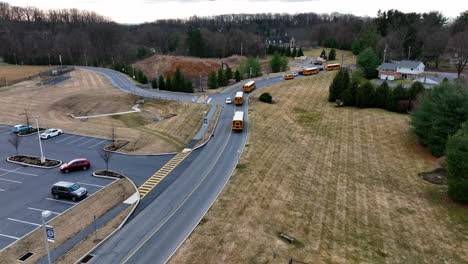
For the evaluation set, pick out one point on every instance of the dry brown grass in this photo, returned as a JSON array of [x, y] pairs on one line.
[[89, 93], [342, 181], [315, 52], [70, 223], [14, 72]]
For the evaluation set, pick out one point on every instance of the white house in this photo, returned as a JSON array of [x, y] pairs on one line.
[[405, 69]]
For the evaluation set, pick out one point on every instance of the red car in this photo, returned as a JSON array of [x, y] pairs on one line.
[[76, 164]]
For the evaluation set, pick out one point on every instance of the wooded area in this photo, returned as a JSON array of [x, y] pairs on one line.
[[33, 36]]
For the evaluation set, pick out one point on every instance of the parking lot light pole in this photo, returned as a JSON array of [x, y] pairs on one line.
[[44, 215], [39, 138]]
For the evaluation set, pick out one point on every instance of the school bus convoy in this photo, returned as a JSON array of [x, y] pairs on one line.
[[248, 86], [239, 99], [238, 121], [330, 67], [309, 71]]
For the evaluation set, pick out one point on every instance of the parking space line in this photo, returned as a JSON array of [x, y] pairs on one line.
[[25, 222], [98, 143], [40, 210], [86, 142], [1, 190], [55, 200], [71, 142], [64, 139], [95, 185], [9, 236], [1, 179], [15, 171]]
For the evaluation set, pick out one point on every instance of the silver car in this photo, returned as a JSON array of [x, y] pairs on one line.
[[50, 133]]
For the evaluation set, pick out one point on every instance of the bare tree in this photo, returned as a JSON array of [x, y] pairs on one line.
[[459, 49], [15, 141], [27, 116], [106, 156]]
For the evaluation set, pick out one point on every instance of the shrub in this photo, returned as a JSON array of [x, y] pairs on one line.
[[365, 95], [457, 164], [339, 85], [349, 95], [439, 115], [368, 61], [382, 95], [266, 97]]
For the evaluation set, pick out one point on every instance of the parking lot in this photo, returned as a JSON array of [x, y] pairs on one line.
[[26, 191]]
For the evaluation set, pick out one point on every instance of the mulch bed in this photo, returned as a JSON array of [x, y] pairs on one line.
[[437, 176], [31, 131], [35, 161], [114, 146], [109, 173]]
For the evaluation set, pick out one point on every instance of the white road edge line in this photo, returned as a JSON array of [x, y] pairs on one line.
[[209, 100], [21, 221], [50, 199], [9, 236], [40, 210], [95, 185], [1, 179]]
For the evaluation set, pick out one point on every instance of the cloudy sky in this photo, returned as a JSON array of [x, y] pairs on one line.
[[138, 11]]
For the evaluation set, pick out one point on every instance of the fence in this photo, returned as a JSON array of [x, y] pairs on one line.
[[56, 71]]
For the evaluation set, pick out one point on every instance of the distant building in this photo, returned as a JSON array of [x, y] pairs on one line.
[[405, 69], [283, 41]]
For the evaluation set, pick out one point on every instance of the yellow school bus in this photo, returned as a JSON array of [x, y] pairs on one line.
[[249, 86], [288, 76], [239, 99], [309, 71], [238, 121], [331, 67]]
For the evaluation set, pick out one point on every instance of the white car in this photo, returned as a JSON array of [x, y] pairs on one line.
[[294, 73], [228, 100], [50, 133]]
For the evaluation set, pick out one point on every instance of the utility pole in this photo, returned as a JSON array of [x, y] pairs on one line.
[[201, 89], [242, 47], [409, 52], [384, 53], [250, 75], [342, 59], [86, 60]]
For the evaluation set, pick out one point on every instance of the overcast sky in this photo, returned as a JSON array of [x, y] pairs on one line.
[[139, 11]]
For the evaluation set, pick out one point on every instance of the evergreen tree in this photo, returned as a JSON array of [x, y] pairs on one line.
[[439, 115], [339, 84], [237, 75], [177, 81], [195, 43], [221, 78], [287, 52], [169, 84], [294, 52], [365, 95], [154, 83], [349, 95], [323, 55], [382, 96], [300, 53], [368, 61], [332, 54], [457, 165], [161, 83], [271, 49], [356, 47], [188, 86], [284, 63], [399, 93], [275, 63], [416, 89], [228, 73], [212, 80]]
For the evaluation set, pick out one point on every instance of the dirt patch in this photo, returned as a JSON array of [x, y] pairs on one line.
[[70, 223], [115, 146], [108, 173], [437, 176], [35, 161]]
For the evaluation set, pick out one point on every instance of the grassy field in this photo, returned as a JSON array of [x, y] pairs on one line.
[[342, 181], [14, 72], [89, 93], [349, 58]]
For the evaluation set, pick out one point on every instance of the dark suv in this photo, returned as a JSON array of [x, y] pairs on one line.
[[69, 190], [76, 164]]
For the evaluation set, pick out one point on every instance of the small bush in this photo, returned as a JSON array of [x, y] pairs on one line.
[[266, 97]]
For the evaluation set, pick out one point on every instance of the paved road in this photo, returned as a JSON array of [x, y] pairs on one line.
[[155, 233]]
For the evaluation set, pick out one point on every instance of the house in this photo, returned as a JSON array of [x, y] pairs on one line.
[[283, 41], [405, 69]]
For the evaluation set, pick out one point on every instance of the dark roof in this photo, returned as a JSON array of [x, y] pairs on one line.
[[284, 39], [409, 64], [388, 66]]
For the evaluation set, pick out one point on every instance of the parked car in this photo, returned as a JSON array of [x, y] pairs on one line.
[[231, 81], [301, 72], [76, 164], [294, 73], [228, 100], [318, 63], [21, 128], [52, 132], [69, 190]]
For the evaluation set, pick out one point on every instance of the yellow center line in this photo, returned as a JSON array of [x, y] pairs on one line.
[[158, 176]]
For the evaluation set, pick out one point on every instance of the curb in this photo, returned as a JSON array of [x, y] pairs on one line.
[[32, 165], [121, 224], [212, 132]]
